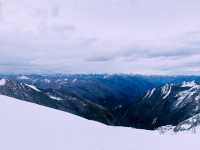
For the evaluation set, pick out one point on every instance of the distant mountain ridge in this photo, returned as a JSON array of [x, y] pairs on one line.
[[103, 98]]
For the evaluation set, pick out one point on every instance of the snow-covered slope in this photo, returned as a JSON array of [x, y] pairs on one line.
[[189, 125], [26, 126]]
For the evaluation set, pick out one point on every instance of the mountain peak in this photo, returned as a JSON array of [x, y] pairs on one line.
[[166, 90], [2, 82], [189, 84], [169, 104]]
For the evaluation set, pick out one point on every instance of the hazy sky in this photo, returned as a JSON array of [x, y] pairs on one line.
[[100, 36]]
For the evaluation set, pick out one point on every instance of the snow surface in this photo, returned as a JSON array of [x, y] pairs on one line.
[[2, 82], [27, 126]]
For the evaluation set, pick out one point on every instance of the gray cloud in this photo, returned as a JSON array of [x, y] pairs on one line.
[[100, 59], [63, 28], [149, 37]]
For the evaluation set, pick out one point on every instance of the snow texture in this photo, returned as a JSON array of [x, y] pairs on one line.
[[27, 126]]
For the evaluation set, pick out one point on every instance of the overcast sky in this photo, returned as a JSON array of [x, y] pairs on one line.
[[100, 36]]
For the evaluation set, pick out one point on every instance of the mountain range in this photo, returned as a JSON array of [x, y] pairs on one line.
[[147, 102]]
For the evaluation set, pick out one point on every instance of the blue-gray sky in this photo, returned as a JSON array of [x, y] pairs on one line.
[[100, 36]]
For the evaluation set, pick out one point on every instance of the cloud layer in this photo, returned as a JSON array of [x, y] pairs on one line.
[[107, 36]]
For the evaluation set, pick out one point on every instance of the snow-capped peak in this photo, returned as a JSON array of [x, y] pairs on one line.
[[23, 77], [192, 92], [189, 124], [150, 93], [189, 84], [2, 82], [166, 90]]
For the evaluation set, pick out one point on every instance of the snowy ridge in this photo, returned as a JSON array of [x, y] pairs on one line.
[[166, 90], [33, 87], [189, 84], [56, 130], [150, 93], [168, 129], [191, 124], [55, 97], [185, 95]]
